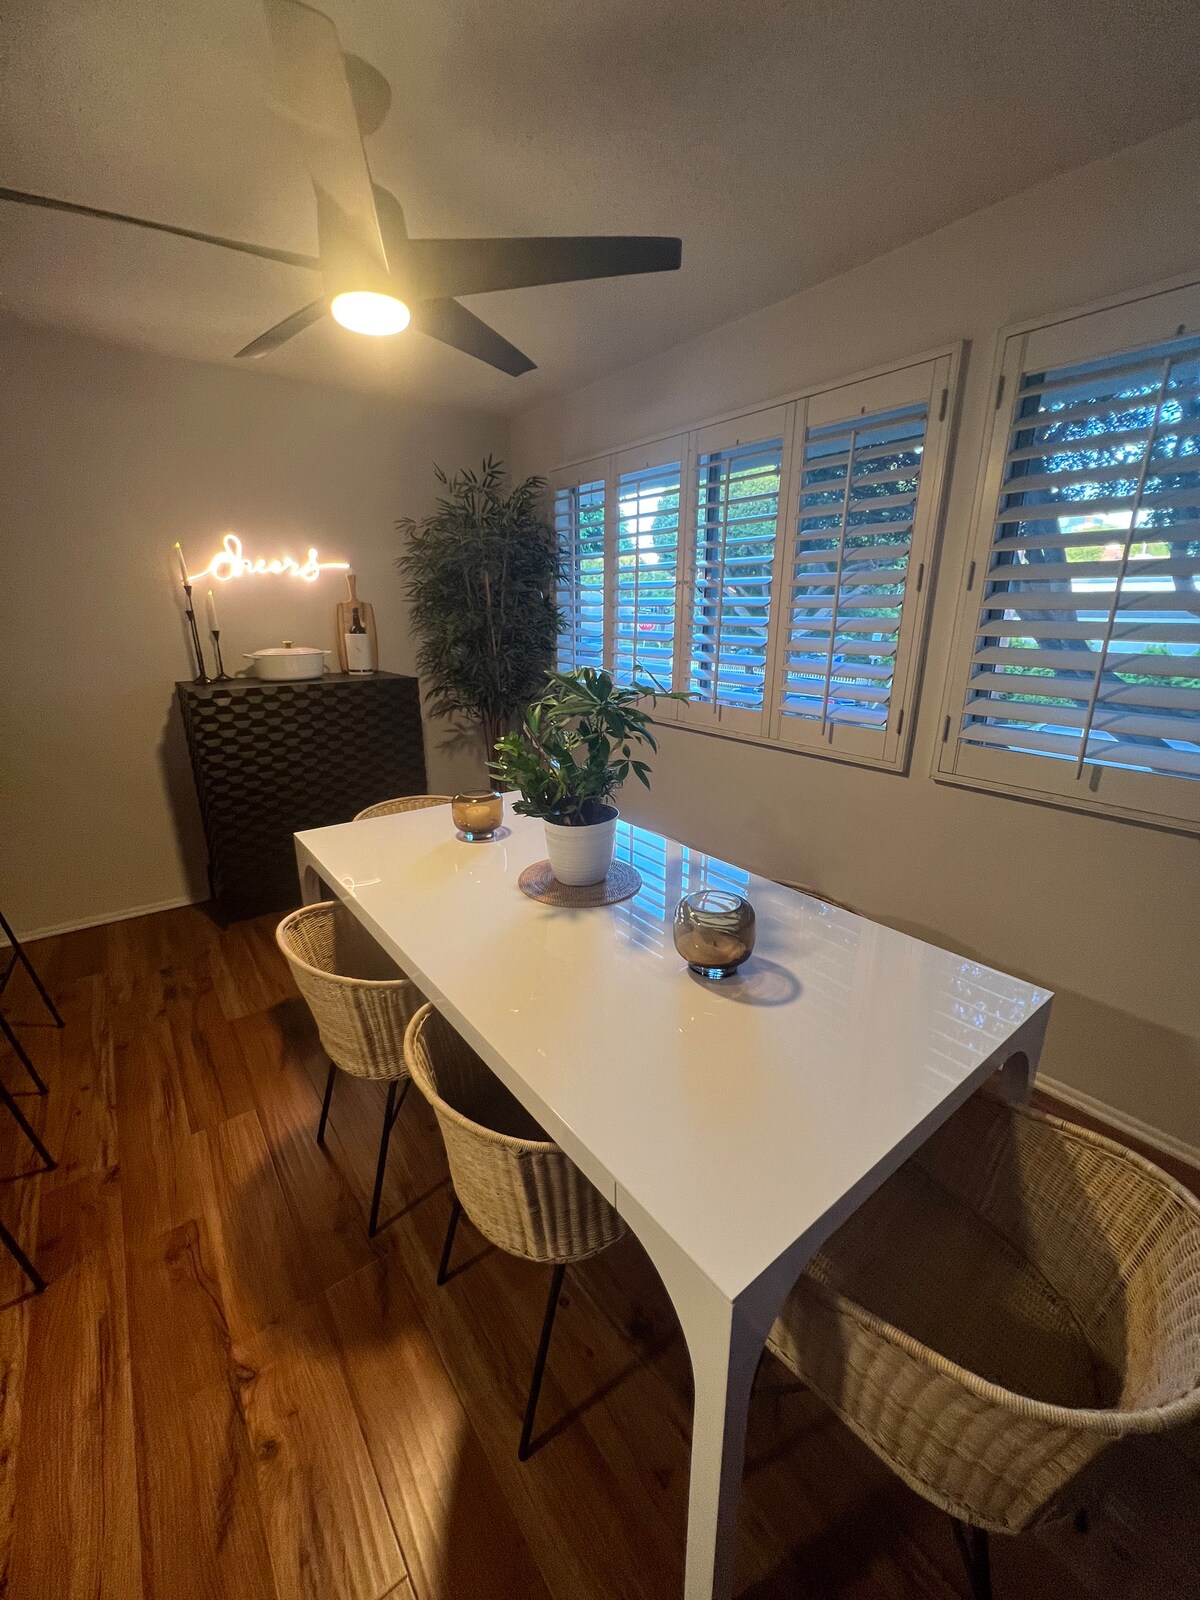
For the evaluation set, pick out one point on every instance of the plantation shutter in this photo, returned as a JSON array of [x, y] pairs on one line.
[[648, 484], [1083, 673], [579, 519], [869, 460], [737, 493]]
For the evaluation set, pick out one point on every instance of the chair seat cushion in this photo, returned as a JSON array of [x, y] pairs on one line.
[[924, 1261]]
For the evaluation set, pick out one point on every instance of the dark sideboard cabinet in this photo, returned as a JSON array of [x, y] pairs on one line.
[[271, 759]]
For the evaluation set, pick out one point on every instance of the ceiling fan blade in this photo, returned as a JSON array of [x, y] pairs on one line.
[[288, 257], [285, 330], [370, 91], [391, 223], [317, 94], [443, 267], [455, 325]]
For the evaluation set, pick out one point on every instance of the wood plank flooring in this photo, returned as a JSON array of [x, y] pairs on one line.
[[229, 1392]]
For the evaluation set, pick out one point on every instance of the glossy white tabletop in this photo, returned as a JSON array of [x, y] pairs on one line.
[[741, 1115]]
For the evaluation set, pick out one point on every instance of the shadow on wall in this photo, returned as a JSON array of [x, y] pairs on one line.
[[176, 768]]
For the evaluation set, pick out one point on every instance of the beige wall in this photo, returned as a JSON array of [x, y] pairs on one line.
[[107, 456], [1105, 912]]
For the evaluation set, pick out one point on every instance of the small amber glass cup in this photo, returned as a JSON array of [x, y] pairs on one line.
[[714, 931], [479, 814]]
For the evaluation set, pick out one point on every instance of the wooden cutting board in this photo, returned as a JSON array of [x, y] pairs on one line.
[[344, 616]]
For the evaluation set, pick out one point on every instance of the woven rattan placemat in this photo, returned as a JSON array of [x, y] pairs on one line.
[[539, 883]]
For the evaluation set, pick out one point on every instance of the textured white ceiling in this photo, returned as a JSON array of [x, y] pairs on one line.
[[783, 141]]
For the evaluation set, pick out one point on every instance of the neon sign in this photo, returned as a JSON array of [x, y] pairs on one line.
[[229, 562]]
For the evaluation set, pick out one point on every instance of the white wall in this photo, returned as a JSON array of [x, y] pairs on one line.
[[1105, 912], [107, 456]]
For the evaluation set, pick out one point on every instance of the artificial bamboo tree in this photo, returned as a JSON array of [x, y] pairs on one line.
[[481, 573]]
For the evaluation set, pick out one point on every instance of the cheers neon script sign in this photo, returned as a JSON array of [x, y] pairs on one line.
[[231, 562]]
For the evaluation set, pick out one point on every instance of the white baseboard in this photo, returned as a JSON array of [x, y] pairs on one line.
[[27, 936], [1167, 1143]]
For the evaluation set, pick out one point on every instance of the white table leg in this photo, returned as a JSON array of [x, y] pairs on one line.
[[725, 1340], [1018, 1072], [725, 1349], [311, 888]]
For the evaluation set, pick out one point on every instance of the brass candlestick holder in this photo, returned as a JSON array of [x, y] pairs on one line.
[[222, 676], [201, 675]]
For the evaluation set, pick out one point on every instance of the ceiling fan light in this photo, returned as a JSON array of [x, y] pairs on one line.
[[365, 311]]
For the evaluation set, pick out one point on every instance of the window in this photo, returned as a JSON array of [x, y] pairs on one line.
[[864, 533], [579, 522], [1080, 665], [737, 484], [775, 566], [647, 571]]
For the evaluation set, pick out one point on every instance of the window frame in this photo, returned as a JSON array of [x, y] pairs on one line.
[[586, 474], [889, 747], [750, 428], [1106, 328], [641, 458], [942, 367]]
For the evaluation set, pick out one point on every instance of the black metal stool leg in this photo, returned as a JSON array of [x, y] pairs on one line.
[[325, 1103], [973, 1547], [22, 1260], [27, 1128], [19, 1050], [443, 1271], [19, 955], [389, 1116], [539, 1365]]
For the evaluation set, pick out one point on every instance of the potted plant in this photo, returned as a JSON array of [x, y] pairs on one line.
[[480, 575], [574, 751]]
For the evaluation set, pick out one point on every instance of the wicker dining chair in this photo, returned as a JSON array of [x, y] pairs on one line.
[[1019, 1296], [361, 1003], [406, 802], [519, 1189]]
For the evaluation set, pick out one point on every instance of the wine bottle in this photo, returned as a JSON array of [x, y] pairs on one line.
[[358, 646]]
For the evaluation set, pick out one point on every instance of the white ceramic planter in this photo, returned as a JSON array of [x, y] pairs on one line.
[[581, 855]]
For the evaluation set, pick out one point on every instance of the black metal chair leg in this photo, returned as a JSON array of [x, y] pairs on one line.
[[391, 1112], [27, 1128], [539, 1365], [19, 1050], [443, 1271], [19, 955], [325, 1103], [973, 1547], [22, 1260]]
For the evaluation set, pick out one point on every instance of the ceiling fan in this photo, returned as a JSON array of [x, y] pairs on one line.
[[374, 278]]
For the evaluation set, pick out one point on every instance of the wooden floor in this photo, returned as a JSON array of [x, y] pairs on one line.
[[229, 1393]]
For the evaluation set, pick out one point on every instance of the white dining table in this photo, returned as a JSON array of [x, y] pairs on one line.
[[734, 1124]]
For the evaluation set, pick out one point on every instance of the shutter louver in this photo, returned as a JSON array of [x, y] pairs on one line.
[[579, 524], [737, 514], [859, 482], [1087, 648], [646, 569]]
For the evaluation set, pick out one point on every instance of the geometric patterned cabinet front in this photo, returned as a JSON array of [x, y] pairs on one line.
[[271, 759]]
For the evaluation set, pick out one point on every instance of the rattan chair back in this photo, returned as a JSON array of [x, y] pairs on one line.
[[360, 1000], [1020, 1295], [518, 1188], [406, 802]]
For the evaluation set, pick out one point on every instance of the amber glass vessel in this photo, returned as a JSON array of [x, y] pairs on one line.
[[714, 931], [478, 815]]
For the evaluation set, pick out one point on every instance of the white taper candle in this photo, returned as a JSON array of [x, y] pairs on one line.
[[183, 571], [210, 605]]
